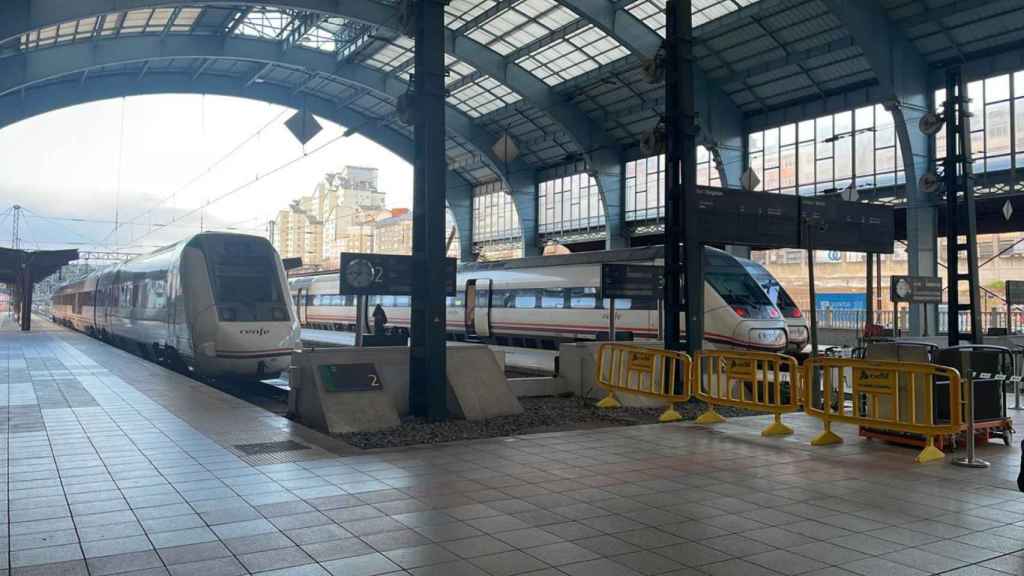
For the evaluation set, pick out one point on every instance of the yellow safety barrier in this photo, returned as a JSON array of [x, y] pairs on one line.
[[650, 372], [758, 381], [908, 397]]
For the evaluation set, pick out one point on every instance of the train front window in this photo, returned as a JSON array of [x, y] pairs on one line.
[[737, 287], [776, 293], [244, 277]]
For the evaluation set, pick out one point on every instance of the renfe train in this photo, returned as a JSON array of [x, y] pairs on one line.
[[215, 303], [541, 301]]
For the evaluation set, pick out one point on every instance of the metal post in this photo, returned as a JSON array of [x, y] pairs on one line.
[[896, 319], [868, 290], [969, 461], [360, 319], [950, 180], [427, 357], [673, 189], [26, 299], [810, 287], [611, 319]]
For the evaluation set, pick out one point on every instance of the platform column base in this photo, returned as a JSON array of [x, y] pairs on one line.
[[710, 416], [670, 414], [827, 437], [777, 428], [930, 453], [609, 401]]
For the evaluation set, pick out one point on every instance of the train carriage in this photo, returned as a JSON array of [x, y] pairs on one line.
[[541, 301], [216, 302]]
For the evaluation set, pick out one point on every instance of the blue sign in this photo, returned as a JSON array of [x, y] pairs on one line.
[[840, 301]]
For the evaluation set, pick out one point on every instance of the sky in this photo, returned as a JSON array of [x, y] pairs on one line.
[[165, 167]]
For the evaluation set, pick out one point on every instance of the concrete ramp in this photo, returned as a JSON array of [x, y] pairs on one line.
[[477, 386]]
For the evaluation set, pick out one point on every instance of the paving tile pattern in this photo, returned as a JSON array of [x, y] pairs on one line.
[[113, 466]]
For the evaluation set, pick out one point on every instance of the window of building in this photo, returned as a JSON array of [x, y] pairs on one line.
[[645, 184], [997, 123], [828, 153], [571, 203], [495, 217]]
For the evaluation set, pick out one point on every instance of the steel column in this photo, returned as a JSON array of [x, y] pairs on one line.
[[673, 189], [681, 190], [428, 383]]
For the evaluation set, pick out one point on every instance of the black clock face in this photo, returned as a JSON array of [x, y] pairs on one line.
[[359, 274]]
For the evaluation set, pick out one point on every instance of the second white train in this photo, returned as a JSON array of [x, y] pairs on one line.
[[540, 301]]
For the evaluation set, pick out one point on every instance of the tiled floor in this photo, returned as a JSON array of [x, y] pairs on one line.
[[115, 466]]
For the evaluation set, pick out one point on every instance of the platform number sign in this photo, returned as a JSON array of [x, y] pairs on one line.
[[361, 377], [386, 274], [917, 289]]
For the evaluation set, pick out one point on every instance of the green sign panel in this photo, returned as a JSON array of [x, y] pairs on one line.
[[338, 378]]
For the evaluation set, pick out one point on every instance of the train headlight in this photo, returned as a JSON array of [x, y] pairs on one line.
[[771, 337], [279, 314], [226, 314], [797, 333], [208, 348]]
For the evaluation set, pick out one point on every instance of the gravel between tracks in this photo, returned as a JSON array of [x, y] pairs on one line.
[[548, 414]]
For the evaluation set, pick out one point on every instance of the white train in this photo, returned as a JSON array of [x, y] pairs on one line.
[[215, 303], [540, 301], [797, 326]]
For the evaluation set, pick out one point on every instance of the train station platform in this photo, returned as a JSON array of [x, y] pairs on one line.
[[117, 466]]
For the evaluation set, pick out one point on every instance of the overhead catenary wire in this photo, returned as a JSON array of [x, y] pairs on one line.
[[203, 173], [254, 180]]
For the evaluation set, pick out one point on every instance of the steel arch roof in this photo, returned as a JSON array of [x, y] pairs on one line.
[[562, 77]]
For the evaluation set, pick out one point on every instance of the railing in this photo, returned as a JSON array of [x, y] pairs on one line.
[[650, 372], [910, 397], [758, 381], [855, 320]]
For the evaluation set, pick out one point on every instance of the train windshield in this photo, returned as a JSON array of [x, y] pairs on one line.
[[736, 286], [773, 289], [245, 279]]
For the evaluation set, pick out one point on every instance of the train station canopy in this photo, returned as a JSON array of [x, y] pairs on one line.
[[40, 263]]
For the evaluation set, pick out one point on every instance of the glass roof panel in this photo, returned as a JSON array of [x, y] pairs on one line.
[[579, 52], [521, 23], [457, 69], [652, 12], [393, 54], [482, 96], [265, 23], [458, 12]]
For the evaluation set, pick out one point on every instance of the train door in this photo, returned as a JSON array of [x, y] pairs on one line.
[[469, 302], [478, 307], [300, 304]]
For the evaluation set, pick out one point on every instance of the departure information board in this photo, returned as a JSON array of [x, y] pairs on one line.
[[924, 289], [631, 281], [745, 218], [386, 274], [832, 224]]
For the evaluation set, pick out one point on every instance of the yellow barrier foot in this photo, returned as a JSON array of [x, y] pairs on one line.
[[929, 454], [609, 401], [777, 428], [825, 438], [670, 415], [710, 417]]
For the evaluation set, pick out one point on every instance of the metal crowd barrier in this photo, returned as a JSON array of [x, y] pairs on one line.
[[650, 372], [903, 397], [758, 381]]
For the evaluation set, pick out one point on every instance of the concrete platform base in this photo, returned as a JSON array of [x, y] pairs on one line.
[[476, 384]]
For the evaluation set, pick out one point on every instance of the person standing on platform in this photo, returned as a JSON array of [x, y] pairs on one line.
[[380, 318]]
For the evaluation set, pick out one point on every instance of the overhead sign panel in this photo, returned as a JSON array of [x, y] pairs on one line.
[[1015, 292], [385, 274], [920, 289], [631, 281], [748, 218], [833, 224]]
